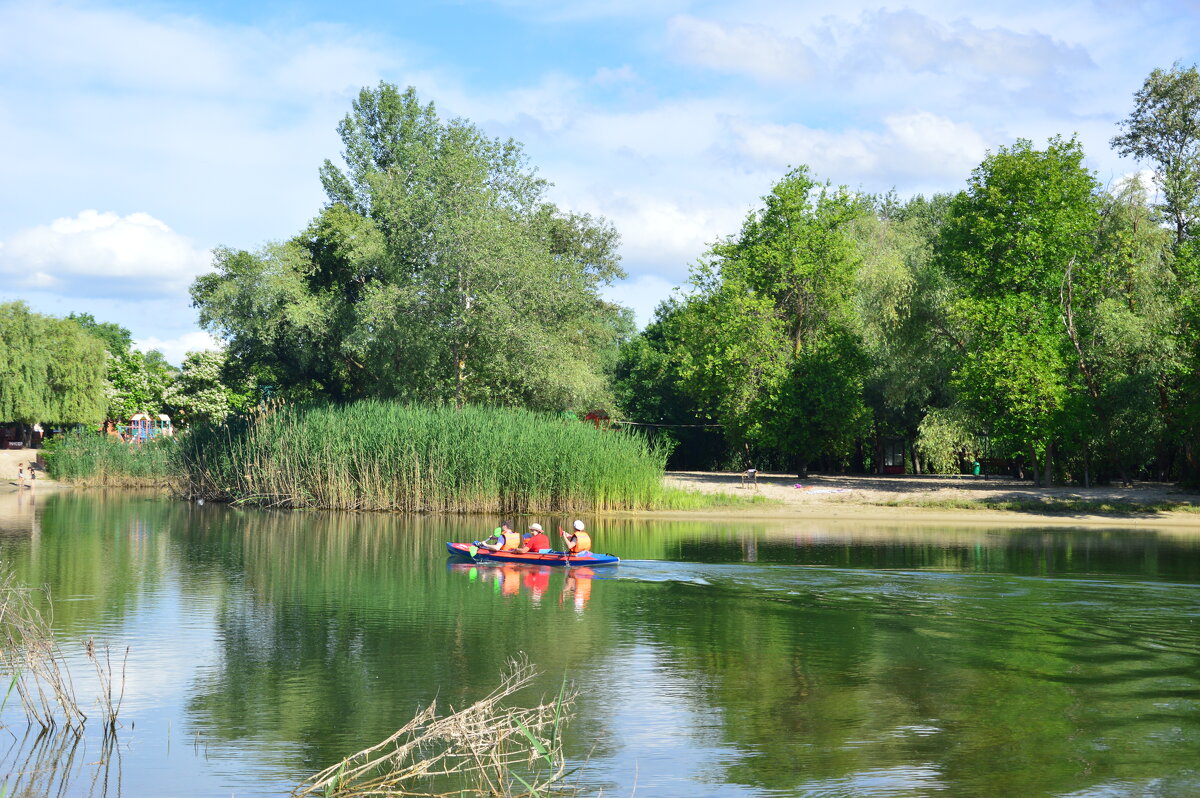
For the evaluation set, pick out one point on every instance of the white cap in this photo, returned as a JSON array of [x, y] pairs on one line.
[[536, 527], [578, 526]]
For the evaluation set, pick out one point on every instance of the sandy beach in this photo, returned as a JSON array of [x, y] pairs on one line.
[[872, 498], [11, 460]]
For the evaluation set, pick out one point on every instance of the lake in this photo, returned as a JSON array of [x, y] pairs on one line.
[[721, 658]]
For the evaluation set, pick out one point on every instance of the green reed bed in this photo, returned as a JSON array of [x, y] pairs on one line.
[[92, 460], [382, 456]]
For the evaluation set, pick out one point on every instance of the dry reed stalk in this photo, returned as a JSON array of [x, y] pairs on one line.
[[30, 657], [484, 749], [104, 673]]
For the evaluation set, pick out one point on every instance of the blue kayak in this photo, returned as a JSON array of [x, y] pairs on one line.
[[532, 558]]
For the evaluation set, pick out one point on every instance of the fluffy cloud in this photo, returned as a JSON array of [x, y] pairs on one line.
[[916, 42], [102, 254], [739, 49], [917, 145]]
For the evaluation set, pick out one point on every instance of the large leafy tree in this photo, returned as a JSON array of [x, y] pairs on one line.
[[1164, 129], [1015, 242], [771, 349], [438, 272], [51, 370], [136, 381], [199, 392]]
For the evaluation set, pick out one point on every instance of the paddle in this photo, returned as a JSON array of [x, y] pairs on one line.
[[567, 547]]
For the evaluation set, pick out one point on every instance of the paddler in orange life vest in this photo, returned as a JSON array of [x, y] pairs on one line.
[[503, 539], [577, 540]]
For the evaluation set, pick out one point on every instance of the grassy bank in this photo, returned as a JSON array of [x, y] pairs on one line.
[[383, 456], [91, 460]]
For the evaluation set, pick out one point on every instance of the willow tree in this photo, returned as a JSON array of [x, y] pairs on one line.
[[437, 272], [51, 370]]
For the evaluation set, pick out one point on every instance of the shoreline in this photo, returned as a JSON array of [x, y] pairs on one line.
[[886, 499]]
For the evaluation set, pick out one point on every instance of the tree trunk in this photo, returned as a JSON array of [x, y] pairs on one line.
[[1033, 467], [1048, 481], [1087, 466]]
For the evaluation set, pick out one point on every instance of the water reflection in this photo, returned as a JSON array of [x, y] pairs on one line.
[[45, 762], [516, 579], [720, 658]]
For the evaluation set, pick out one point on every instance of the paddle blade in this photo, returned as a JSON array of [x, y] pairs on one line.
[[473, 550]]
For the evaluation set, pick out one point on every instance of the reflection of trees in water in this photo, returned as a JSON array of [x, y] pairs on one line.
[[44, 763]]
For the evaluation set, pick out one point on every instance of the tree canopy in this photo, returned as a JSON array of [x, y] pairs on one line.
[[52, 371], [438, 272]]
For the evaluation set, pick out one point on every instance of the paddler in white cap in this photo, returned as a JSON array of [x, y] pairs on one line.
[[578, 541], [535, 540]]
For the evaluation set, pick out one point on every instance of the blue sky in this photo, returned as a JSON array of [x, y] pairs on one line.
[[137, 136]]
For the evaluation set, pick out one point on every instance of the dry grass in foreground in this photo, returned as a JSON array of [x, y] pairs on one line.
[[35, 669], [487, 749]]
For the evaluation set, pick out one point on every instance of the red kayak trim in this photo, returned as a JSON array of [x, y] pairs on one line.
[[548, 558]]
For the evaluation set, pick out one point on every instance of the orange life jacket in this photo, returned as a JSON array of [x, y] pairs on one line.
[[510, 540], [582, 543]]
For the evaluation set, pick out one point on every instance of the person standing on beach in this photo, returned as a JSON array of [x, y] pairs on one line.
[[32, 477], [20, 476]]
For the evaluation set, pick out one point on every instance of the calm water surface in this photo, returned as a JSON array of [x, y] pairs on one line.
[[720, 658]]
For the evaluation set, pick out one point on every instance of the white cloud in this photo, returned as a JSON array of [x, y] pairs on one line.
[[919, 145], [102, 254], [917, 42], [175, 349], [739, 49]]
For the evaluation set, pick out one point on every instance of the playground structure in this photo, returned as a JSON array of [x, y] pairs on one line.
[[142, 427]]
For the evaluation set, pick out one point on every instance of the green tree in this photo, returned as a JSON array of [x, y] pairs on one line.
[[772, 349], [900, 300], [1013, 242], [437, 273], [137, 383], [1164, 129], [117, 340], [51, 370], [199, 393]]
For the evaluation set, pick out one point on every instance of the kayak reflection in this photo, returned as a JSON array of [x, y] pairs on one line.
[[509, 580]]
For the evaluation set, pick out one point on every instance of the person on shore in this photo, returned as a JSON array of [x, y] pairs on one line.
[[535, 540], [502, 539], [578, 540], [20, 476], [32, 477]]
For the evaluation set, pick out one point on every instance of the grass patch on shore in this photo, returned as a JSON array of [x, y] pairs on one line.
[[681, 499], [88, 459], [1051, 506], [374, 455]]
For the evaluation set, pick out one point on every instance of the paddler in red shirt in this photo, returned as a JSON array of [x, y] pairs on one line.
[[535, 540]]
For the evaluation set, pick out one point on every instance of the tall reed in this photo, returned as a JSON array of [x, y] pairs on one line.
[[91, 459], [374, 455]]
